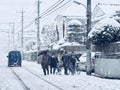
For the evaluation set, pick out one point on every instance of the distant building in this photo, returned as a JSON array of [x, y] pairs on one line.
[[76, 31], [72, 28]]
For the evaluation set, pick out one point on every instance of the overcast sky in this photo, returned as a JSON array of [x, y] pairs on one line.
[[9, 8], [9, 11]]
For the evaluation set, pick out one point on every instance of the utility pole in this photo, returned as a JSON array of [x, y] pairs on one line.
[[57, 32], [12, 25], [63, 28], [38, 25], [22, 27], [88, 42], [38, 28], [13, 35], [22, 32], [9, 40]]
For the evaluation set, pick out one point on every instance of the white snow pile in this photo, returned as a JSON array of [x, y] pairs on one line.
[[57, 45], [61, 43], [70, 44], [74, 22]]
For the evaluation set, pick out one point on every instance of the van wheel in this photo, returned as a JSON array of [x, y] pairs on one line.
[[9, 65], [20, 65]]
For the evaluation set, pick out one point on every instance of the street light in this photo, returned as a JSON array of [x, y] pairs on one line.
[[88, 42]]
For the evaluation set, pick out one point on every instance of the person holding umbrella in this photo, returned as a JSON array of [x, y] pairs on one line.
[[45, 63]]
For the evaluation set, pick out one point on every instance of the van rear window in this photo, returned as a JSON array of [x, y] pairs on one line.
[[15, 54]]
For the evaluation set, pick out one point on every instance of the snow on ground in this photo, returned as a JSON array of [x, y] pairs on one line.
[[7, 79], [65, 82]]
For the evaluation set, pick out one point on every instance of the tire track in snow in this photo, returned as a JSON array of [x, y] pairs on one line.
[[25, 87], [44, 79]]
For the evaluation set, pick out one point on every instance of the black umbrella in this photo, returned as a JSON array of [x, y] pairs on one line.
[[42, 52]]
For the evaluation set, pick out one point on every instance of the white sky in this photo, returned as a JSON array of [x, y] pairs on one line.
[[9, 8], [9, 11]]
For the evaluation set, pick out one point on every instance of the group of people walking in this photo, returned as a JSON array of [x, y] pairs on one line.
[[54, 63]]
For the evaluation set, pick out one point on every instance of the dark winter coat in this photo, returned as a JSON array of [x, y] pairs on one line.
[[45, 61], [66, 60], [53, 61], [73, 59], [69, 60]]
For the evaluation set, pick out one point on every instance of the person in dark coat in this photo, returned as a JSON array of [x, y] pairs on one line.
[[53, 63], [66, 62], [45, 63], [72, 65]]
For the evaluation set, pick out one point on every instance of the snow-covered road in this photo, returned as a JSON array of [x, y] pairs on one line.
[[32, 76]]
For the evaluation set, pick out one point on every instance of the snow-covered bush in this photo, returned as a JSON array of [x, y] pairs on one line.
[[105, 31], [106, 35]]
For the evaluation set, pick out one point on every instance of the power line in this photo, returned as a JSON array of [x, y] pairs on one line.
[[48, 11], [55, 9], [51, 6], [5, 22], [109, 4], [45, 12], [32, 22], [5, 31], [33, 11], [31, 14]]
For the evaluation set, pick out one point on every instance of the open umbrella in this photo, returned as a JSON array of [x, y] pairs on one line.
[[42, 52]]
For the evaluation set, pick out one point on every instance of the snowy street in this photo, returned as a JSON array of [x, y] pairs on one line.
[[30, 77], [73, 38]]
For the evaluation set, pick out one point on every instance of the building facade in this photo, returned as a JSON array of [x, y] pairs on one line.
[[72, 28]]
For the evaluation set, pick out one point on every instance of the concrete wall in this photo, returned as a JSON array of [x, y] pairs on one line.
[[109, 68]]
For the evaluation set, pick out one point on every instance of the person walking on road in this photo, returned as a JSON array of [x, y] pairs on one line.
[[66, 61], [53, 63], [45, 63]]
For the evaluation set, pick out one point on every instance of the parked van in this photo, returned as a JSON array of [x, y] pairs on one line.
[[14, 58]]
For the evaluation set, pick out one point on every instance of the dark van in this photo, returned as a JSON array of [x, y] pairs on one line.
[[14, 58]]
